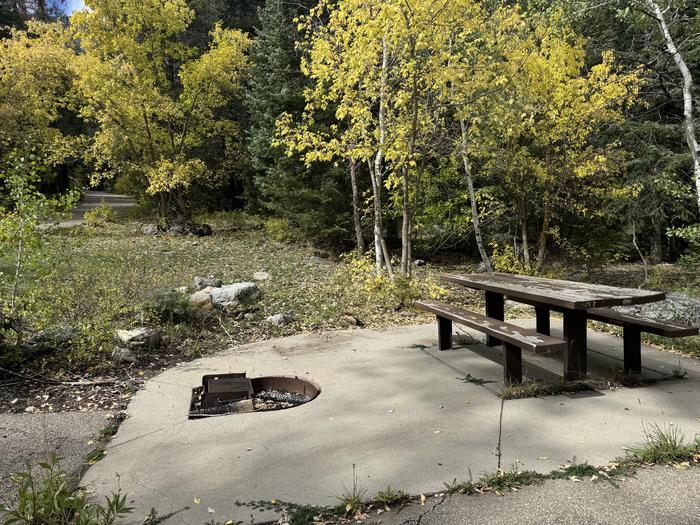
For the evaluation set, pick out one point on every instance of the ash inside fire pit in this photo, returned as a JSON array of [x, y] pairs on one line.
[[235, 393]]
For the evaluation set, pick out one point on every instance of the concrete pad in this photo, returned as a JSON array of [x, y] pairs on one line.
[[661, 494], [397, 412], [31, 438]]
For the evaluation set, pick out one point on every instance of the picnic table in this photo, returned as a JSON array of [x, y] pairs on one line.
[[573, 299]]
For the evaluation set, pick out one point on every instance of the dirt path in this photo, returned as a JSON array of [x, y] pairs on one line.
[[94, 199]]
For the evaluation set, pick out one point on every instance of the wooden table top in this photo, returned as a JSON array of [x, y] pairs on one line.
[[555, 292]]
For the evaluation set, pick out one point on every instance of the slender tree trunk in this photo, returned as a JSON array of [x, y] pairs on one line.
[[689, 125], [356, 216], [405, 225], [472, 198], [376, 170], [544, 235], [526, 243], [657, 239], [377, 231]]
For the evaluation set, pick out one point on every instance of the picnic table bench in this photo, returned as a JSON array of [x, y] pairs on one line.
[[577, 301]]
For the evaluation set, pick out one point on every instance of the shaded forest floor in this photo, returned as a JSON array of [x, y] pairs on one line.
[[86, 282]]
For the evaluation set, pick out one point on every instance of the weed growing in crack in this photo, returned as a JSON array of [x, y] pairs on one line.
[[679, 372], [470, 379], [663, 445], [352, 499], [390, 497]]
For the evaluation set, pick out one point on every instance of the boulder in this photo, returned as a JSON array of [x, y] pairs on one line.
[[234, 295], [150, 229], [141, 337], [203, 282], [261, 276], [202, 300], [676, 308], [123, 355], [279, 319]]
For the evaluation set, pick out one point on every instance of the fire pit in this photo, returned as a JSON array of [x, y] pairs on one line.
[[222, 394]]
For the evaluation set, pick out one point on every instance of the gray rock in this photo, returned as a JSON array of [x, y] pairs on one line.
[[261, 276], [141, 337], [180, 226], [123, 355], [279, 319], [676, 308], [230, 296], [234, 295], [150, 229], [203, 282], [202, 299]]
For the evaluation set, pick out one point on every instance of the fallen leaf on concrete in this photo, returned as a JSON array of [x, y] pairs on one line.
[[682, 466], [210, 510], [196, 500], [594, 477], [575, 479], [422, 499], [437, 431], [543, 458]]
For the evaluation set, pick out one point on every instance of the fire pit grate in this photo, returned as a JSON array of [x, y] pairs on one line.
[[224, 394]]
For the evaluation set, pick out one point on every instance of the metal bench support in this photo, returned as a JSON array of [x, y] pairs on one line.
[[542, 316], [633, 349], [512, 364], [494, 309], [575, 356], [444, 333]]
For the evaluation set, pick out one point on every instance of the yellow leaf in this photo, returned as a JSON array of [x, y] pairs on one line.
[[422, 499]]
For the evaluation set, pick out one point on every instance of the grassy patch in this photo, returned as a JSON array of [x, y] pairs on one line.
[[87, 282], [539, 388]]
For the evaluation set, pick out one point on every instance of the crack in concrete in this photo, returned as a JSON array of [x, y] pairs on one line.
[[418, 521]]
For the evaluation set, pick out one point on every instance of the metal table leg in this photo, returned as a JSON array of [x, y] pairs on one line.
[[494, 308], [575, 356]]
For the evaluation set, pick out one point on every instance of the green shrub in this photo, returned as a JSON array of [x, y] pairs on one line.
[[99, 216], [47, 498], [280, 230], [171, 307]]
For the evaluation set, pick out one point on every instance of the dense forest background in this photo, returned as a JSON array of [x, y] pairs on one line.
[[523, 132]]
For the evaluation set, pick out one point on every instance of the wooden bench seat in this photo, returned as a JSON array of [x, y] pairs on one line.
[[632, 327], [514, 338]]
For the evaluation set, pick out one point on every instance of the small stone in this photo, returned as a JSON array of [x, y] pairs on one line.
[[261, 276], [141, 337], [150, 229], [419, 262], [123, 355], [279, 319], [352, 320], [203, 282]]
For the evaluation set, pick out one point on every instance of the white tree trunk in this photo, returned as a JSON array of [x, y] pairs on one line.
[[472, 199], [690, 137], [378, 168]]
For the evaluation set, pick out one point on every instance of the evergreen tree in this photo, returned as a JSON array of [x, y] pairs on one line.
[[313, 199]]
